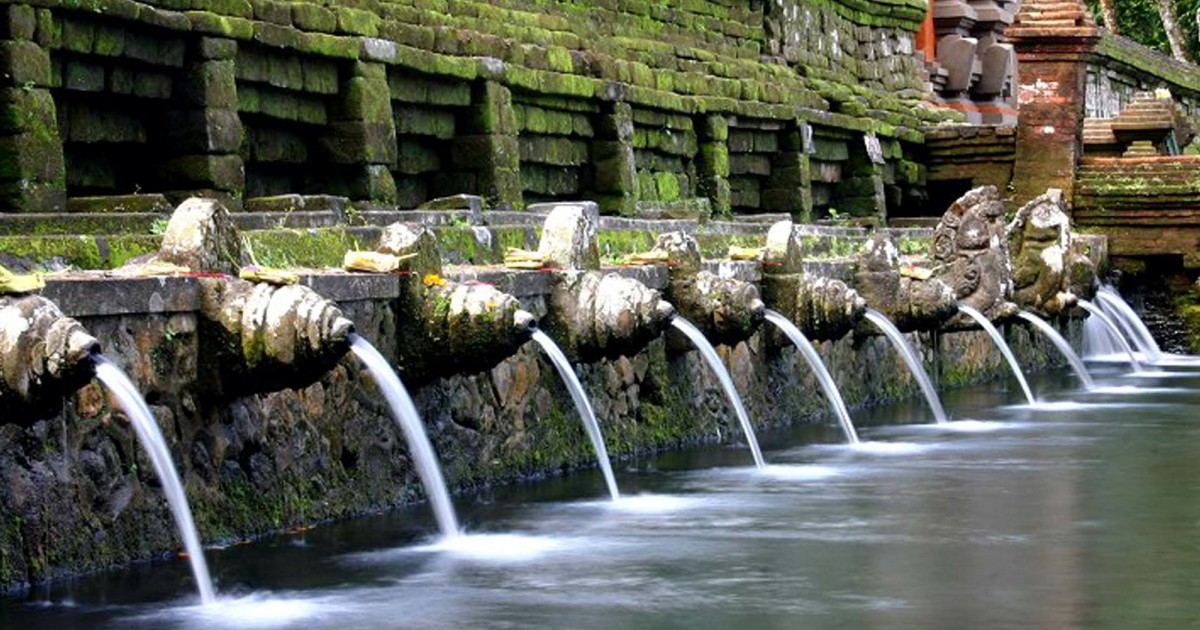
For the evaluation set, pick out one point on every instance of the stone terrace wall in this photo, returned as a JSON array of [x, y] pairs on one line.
[[754, 106], [76, 493], [1122, 67]]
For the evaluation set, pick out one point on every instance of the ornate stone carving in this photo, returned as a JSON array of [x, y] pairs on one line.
[[1045, 265], [970, 248], [824, 308], [596, 315]]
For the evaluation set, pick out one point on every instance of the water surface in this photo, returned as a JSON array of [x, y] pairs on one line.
[[1072, 516]]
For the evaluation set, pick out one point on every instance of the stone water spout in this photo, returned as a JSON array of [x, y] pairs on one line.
[[44, 356], [1047, 266], [592, 314], [822, 307], [726, 310], [970, 251], [447, 327], [909, 302], [262, 337], [255, 337]]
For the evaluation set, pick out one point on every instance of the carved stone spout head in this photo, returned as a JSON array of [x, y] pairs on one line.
[[970, 248], [727, 310], [594, 315], [267, 337], [910, 302], [44, 356]]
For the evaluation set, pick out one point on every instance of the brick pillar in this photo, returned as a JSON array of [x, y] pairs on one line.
[[32, 168], [360, 141], [204, 133], [713, 164], [489, 145], [789, 187], [612, 160], [1052, 69]]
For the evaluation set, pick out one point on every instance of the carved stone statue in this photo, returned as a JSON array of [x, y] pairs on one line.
[[596, 315], [970, 248], [911, 303], [1043, 260], [726, 310]]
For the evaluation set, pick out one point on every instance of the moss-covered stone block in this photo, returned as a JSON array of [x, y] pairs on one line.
[[23, 64], [220, 172], [357, 22], [311, 17]]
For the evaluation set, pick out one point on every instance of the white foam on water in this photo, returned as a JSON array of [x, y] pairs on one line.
[[799, 472], [1134, 389], [494, 547], [974, 426], [889, 448], [652, 504], [253, 611]]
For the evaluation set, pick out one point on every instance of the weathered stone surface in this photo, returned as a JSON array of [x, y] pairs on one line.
[[44, 357], [201, 237], [451, 328], [593, 315], [726, 310], [911, 304], [569, 237], [1039, 240], [970, 247], [402, 239], [265, 337]]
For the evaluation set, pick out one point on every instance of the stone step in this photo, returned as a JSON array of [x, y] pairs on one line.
[[82, 222]]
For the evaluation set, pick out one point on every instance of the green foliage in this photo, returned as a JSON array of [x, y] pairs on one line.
[[1139, 20]]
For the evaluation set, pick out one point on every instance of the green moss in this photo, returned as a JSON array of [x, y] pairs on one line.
[[323, 247], [616, 243], [79, 252]]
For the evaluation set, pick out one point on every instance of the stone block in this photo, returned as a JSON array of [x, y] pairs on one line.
[[613, 167], [33, 196], [83, 76], [203, 131], [311, 17], [276, 145], [31, 111], [416, 158], [355, 142], [78, 36], [210, 84], [18, 22], [356, 22], [32, 155], [491, 111], [365, 99], [425, 122], [221, 172], [24, 63], [150, 84], [216, 48], [49, 30]]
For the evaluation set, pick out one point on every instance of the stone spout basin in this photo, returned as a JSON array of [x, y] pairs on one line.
[[910, 303], [726, 310], [593, 315], [262, 337], [824, 308], [44, 356]]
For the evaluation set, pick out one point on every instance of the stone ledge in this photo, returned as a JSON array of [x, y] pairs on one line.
[[93, 295]]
